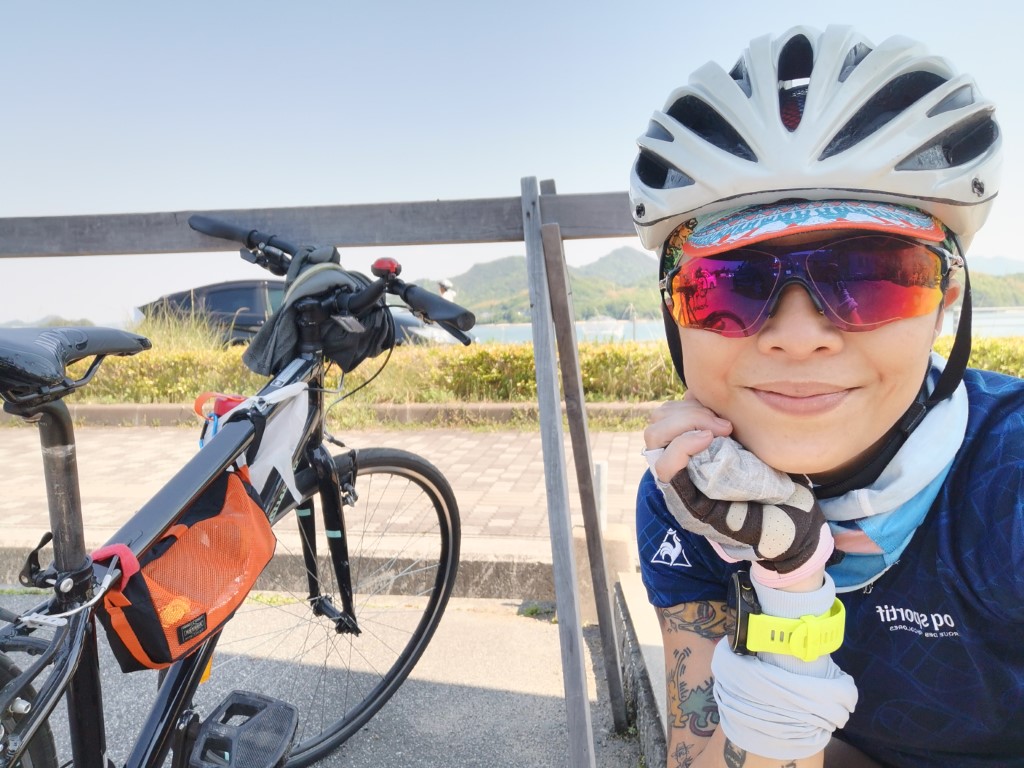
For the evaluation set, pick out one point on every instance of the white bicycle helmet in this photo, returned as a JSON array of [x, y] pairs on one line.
[[817, 116]]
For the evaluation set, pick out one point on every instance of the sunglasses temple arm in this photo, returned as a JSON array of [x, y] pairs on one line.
[[960, 353]]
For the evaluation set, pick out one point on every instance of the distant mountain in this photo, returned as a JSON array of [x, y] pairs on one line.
[[621, 284], [995, 265], [988, 290], [623, 266], [50, 321]]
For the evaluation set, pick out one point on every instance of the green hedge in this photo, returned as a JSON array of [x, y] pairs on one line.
[[611, 372]]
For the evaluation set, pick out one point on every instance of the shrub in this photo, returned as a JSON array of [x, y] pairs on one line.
[[611, 372], [1003, 355]]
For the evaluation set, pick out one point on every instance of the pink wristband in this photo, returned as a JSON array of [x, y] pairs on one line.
[[774, 579], [720, 551]]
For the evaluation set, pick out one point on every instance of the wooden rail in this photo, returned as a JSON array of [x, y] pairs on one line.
[[491, 220]]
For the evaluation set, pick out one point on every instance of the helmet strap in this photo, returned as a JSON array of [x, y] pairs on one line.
[[675, 347]]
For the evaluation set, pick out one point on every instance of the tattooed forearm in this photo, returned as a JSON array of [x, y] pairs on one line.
[[689, 632], [707, 619]]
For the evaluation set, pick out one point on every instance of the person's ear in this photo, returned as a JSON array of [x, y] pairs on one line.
[[952, 294]]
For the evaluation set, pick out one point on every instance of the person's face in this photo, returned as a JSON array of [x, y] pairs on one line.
[[804, 396]]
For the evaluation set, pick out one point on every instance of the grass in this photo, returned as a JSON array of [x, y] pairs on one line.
[[182, 333], [188, 357]]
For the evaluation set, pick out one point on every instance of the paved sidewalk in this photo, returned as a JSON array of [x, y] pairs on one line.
[[498, 479]]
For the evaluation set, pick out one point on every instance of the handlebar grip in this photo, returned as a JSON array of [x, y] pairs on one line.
[[250, 238], [219, 229], [360, 301], [438, 309]]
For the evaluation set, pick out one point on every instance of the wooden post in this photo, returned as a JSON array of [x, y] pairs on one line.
[[570, 633], [575, 409]]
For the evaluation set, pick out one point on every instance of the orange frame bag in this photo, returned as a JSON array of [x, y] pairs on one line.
[[190, 582]]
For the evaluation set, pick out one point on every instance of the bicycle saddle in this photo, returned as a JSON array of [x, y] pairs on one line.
[[38, 357]]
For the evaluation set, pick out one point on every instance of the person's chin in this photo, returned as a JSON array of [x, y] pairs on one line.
[[794, 456]]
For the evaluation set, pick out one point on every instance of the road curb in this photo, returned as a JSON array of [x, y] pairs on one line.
[[174, 414], [641, 703]]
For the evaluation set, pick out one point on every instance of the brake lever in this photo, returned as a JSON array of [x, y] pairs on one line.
[[460, 336], [272, 259]]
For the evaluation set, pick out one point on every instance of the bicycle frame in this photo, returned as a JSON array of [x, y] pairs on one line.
[[73, 651]]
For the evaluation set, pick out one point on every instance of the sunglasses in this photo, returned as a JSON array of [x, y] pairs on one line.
[[859, 283]]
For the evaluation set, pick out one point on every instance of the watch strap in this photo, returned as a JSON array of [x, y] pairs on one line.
[[806, 638]]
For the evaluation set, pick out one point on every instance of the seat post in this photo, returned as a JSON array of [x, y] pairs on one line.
[[74, 577], [60, 470]]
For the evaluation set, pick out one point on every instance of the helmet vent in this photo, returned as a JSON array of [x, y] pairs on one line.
[[791, 106], [891, 99], [656, 173], [657, 131], [961, 97], [960, 144], [795, 64], [739, 74], [855, 56], [696, 115], [796, 59]]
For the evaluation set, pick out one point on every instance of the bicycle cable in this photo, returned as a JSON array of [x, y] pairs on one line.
[[48, 619], [327, 435], [352, 392]]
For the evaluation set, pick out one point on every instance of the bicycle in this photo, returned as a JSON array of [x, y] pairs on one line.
[[330, 650]]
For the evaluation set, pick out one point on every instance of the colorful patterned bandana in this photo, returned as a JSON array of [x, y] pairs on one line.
[[873, 525]]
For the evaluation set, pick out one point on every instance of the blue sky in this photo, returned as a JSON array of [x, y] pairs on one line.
[[114, 107]]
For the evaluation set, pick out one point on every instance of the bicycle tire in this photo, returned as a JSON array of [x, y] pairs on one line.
[[41, 751], [403, 540]]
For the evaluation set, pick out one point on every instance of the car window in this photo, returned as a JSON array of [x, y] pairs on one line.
[[232, 300], [180, 301], [276, 295]]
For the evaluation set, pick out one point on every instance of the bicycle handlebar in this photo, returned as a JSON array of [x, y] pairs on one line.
[[435, 307], [447, 314], [250, 238]]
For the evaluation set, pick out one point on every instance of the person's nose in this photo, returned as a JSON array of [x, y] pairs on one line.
[[797, 327]]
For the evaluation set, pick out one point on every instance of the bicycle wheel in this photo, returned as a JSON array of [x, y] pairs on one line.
[[41, 752], [403, 544]]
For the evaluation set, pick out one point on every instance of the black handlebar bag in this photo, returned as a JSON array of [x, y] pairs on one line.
[[189, 583], [347, 340]]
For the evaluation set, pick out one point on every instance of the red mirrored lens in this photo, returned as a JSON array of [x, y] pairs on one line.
[[727, 294], [872, 281]]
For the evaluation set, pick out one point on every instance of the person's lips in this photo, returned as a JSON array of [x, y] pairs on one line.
[[802, 398]]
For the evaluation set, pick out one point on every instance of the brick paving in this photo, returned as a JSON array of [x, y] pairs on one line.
[[498, 478]]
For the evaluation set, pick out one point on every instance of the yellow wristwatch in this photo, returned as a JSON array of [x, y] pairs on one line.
[[806, 638]]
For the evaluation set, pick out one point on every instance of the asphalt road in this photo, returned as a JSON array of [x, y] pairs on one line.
[[475, 699]]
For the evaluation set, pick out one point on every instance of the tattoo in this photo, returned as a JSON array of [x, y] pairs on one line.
[[709, 620], [734, 756], [689, 708], [683, 756]]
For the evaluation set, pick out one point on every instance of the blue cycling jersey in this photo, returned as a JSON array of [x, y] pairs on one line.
[[935, 644]]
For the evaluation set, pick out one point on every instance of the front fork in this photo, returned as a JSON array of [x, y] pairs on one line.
[[330, 491]]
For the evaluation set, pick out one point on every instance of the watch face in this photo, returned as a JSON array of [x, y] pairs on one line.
[[742, 602]]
